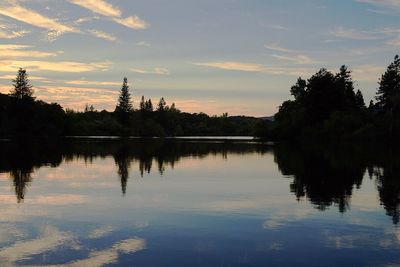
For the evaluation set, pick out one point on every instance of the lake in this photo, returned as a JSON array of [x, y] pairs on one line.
[[178, 202]]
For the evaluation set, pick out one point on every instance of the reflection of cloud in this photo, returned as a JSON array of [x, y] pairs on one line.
[[131, 245], [9, 232], [50, 239], [282, 217], [107, 256], [101, 232], [47, 200]]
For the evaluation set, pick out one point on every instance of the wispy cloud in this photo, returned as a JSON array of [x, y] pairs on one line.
[[158, 71], [103, 8], [9, 32], [298, 59], [60, 66], [103, 35], [22, 51], [385, 3], [98, 6], [33, 18], [133, 22], [353, 34], [250, 67], [143, 43], [32, 78], [85, 82], [276, 47], [275, 26]]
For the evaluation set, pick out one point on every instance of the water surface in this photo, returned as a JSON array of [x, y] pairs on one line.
[[197, 203]]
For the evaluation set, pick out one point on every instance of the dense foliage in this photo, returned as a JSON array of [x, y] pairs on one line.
[[326, 106], [22, 115]]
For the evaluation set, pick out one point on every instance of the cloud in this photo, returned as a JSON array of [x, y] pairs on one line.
[[158, 71], [385, 3], [101, 232], [103, 8], [60, 66], [249, 67], [98, 6], [50, 239], [33, 18], [367, 73], [143, 43], [354, 34], [85, 82], [133, 22], [395, 42], [102, 35], [278, 48], [275, 26], [298, 59], [8, 32], [32, 78], [19, 51]]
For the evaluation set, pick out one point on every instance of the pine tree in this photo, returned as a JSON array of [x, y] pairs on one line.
[[22, 88], [142, 104], [388, 95], [148, 106], [360, 100], [124, 100], [161, 105]]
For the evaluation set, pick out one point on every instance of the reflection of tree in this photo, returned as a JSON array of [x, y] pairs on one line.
[[324, 177], [21, 180], [387, 177], [20, 159], [123, 162]]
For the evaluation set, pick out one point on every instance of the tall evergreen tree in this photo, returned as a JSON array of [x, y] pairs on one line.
[[142, 104], [124, 100], [22, 87], [360, 100], [388, 95], [161, 105]]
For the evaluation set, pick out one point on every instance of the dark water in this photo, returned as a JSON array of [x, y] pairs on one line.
[[197, 203]]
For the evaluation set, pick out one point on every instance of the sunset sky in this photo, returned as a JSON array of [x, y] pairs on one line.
[[215, 56]]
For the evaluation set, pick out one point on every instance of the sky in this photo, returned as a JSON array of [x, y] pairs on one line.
[[212, 56]]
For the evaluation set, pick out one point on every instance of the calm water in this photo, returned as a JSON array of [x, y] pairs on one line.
[[197, 203]]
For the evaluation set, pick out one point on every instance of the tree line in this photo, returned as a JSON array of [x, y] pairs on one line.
[[22, 115], [327, 106]]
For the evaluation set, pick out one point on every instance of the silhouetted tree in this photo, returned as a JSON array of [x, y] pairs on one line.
[[360, 100], [22, 88], [124, 100], [148, 106], [124, 107], [161, 105], [388, 95], [142, 104]]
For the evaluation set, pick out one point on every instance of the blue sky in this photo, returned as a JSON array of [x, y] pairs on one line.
[[216, 56]]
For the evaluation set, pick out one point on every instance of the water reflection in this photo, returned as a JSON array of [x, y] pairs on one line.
[[21, 160], [327, 175], [213, 202]]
